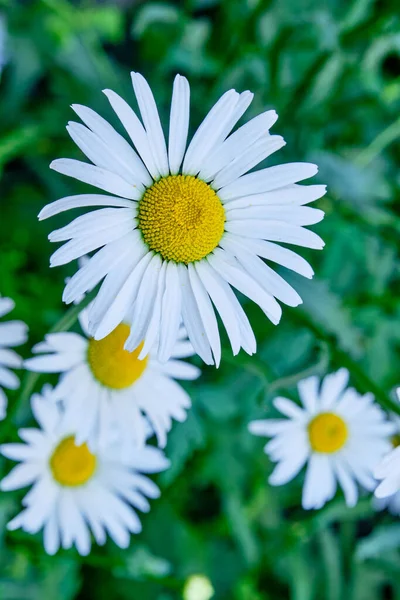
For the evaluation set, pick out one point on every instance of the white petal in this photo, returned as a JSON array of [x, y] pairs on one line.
[[276, 231], [206, 312], [134, 129], [151, 121], [120, 148], [238, 141], [216, 287], [287, 469], [8, 379], [309, 393], [256, 153], [273, 252], [54, 208], [296, 215], [96, 221], [192, 319], [171, 313], [234, 274], [9, 358], [268, 179], [178, 123], [6, 306], [154, 326], [332, 387], [209, 132], [291, 195], [96, 176]]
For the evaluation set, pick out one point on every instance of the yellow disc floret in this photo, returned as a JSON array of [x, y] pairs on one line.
[[110, 364], [181, 218], [72, 465], [327, 433]]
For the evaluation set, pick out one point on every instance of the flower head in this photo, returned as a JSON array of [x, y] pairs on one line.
[[183, 224], [76, 491], [102, 385], [340, 434], [12, 333], [387, 493]]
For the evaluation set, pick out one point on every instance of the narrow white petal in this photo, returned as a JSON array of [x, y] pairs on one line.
[[151, 121], [100, 178], [236, 143], [291, 195], [332, 387], [95, 221], [178, 123], [9, 358], [143, 307], [80, 201], [8, 379], [309, 393], [216, 287], [276, 231], [134, 129], [209, 132], [296, 215], [192, 319], [116, 144], [256, 153], [206, 312], [171, 313], [273, 252], [268, 179], [154, 326], [232, 272]]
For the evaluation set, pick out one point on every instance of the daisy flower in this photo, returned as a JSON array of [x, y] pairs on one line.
[[387, 493], [340, 434], [12, 333], [104, 385], [183, 224], [76, 492]]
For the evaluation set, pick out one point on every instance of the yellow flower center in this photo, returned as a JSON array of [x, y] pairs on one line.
[[182, 218], [72, 465], [327, 433], [113, 366]]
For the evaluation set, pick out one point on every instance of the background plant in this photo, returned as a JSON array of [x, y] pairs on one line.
[[332, 72]]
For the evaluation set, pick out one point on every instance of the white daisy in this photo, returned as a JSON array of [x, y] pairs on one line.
[[387, 493], [77, 492], [339, 433], [183, 224], [104, 385], [12, 333]]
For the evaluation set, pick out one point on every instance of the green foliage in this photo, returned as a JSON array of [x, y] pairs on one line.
[[332, 72]]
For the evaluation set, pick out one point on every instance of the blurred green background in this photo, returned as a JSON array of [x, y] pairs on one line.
[[332, 71]]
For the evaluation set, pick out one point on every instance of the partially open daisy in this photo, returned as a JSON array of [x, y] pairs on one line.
[[339, 433], [183, 225], [76, 492], [103, 385], [12, 333]]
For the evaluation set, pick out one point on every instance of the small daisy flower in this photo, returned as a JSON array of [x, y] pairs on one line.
[[387, 493], [103, 385], [12, 333], [340, 434], [76, 492], [183, 224]]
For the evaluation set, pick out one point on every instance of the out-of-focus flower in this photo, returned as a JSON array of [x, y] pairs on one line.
[[12, 333], [102, 385], [76, 492], [340, 434]]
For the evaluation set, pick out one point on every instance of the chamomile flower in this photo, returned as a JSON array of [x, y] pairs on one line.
[[340, 434], [76, 492], [103, 385], [183, 224], [387, 493], [12, 333]]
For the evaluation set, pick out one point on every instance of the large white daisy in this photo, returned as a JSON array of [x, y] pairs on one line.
[[76, 492], [12, 333], [183, 224], [339, 433], [102, 385]]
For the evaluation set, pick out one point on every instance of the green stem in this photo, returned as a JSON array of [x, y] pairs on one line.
[[378, 145]]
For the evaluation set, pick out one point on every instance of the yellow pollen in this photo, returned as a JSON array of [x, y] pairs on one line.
[[113, 366], [72, 465], [327, 433], [396, 440], [181, 218]]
